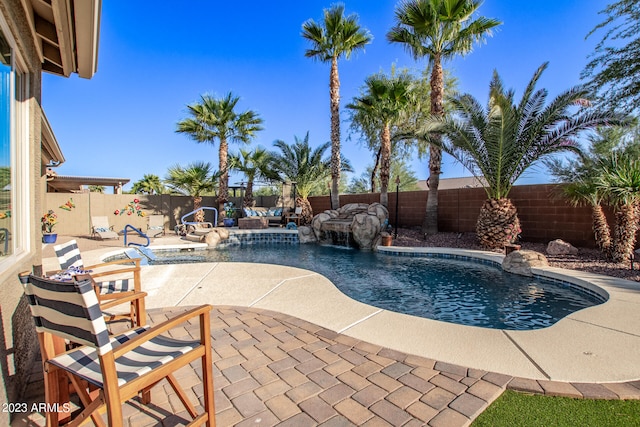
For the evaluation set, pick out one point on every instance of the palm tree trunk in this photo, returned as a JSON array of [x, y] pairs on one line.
[[374, 171], [334, 93], [601, 231], [248, 201], [223, 186], [197, 204], [497, 224], [430, 223], [385, 164], [307, 212], [624, 236]]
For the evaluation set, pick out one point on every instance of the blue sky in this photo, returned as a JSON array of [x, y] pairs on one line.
[[153, 61]]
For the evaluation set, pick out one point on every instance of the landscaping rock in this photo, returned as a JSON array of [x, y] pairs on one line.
[[366, 230], [211, 239], [363, 221], [222, 232], [306, 235], [560, 247], [520, 262], [316, 222]]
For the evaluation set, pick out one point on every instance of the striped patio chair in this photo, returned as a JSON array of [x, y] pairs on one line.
[[124, 288], [118, 368]]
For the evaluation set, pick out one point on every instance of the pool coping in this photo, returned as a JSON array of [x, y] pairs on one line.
[[589, 346]]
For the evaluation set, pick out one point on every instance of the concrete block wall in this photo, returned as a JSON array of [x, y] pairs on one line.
[[544, 214], [76, 221]]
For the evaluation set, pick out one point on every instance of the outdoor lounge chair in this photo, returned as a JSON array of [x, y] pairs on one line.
[[155, 226], [107, 371], [124, 288], [100, 227]]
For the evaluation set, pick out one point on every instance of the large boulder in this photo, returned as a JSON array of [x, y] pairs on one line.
[[215, 236], [316, 222], [379, 211], [306, 234], [366, 230], [211, 239], [363, 221], [560, 247], [520, 262]]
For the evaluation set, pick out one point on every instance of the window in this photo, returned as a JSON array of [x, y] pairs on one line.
[[14, 157], [6, 96]]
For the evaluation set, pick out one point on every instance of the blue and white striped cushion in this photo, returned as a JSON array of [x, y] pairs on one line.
[[68, 309], [109, 287], [159, 351], [68, 255]]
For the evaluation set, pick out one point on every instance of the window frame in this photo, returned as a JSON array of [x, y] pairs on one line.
[[20, 158]]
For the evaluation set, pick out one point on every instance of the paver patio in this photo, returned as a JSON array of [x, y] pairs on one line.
[[274, 369]]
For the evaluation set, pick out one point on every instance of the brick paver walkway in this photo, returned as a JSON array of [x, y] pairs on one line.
[[273, 369]]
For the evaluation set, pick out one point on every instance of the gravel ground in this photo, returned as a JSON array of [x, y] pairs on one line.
[[590, 260]]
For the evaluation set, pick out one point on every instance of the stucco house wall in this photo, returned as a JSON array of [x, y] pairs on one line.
[[60, 47], [18, 341]]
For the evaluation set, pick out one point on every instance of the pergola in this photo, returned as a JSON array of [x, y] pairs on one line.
[[79, 184]]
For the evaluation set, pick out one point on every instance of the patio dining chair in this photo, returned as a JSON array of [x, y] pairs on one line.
[[124, 287], [100, 227], [107, 371]]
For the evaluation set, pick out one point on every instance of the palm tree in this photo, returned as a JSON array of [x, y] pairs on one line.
[[500, 142], [439, 30], [254, 165], [96, 188], [385, 100], [620, 183], [580, 175], [213, 119], [306, 167], [583, 191], [195, 180], [149, 184], [338, 36]]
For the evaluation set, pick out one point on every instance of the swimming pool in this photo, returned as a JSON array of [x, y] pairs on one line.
[[450, 290]]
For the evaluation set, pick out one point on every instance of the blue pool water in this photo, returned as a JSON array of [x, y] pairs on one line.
[[454, 291]]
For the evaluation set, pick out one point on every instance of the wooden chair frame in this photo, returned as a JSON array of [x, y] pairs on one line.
[[137, 312], [111, 396]]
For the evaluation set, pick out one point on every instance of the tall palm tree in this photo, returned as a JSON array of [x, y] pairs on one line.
[[500, 142], [337, 36], [385, 99], [439, 30], [195, 180], [216, 119], [149, 184], [306, 167], [254, 165], [620, 183]]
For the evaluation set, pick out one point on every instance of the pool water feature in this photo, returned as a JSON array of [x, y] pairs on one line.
[[450, 290]]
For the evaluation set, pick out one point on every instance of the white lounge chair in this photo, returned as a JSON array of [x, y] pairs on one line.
[[155, 226], [100, 227]]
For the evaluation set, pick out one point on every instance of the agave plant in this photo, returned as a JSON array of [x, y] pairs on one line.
[[500, 142]]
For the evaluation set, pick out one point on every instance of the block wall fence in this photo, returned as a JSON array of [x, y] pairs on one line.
[[544, 214], [76, 220]]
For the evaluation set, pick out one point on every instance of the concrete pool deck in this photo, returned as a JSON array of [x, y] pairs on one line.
[[596, 345]]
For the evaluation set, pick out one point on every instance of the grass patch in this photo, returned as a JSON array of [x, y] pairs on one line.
[[518, 409]]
